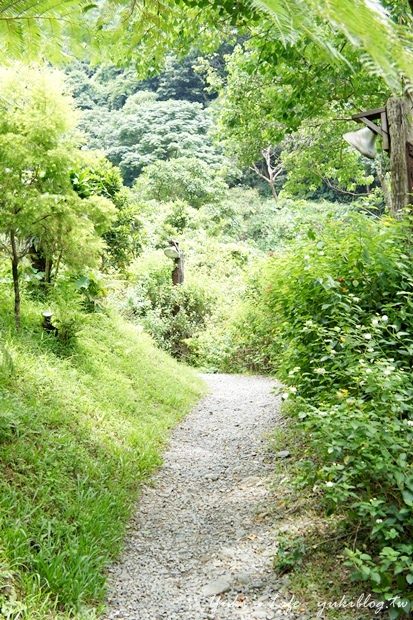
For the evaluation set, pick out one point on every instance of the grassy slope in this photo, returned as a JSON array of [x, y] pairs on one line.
[[78, 433]]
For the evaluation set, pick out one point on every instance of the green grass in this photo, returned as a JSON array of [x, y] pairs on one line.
[[79, 431]]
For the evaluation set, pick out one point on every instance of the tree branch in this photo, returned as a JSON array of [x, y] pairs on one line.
[[44, 217], [257, 171], [341, 191]]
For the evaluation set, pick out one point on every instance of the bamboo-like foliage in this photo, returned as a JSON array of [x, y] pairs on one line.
[[43, 28], [365, 23], [53, 28]]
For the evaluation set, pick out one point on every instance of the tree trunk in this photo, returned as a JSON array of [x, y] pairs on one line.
[[56, 269], [399, 117], [273, 190], [16, 283], [48, 271]]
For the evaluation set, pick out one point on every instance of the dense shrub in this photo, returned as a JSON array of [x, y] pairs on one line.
[[171, 314], [333, 315], [244, 215]]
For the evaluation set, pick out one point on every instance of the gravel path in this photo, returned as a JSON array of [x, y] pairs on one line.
[[201, 543]]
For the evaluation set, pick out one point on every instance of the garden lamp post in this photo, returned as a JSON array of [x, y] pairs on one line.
[[47, 321], [172, 251]]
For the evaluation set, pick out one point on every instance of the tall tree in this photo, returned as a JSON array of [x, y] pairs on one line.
[[299, 97], [384, 34]]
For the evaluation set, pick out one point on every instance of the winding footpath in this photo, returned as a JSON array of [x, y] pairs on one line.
[[201, 543]]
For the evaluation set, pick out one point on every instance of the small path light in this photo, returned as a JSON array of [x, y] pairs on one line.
[[172, 251], [47, 321]]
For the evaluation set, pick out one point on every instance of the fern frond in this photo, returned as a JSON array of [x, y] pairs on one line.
[[39, 28], [364, 22]]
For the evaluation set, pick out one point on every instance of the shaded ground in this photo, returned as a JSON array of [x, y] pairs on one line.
[[201, 543]]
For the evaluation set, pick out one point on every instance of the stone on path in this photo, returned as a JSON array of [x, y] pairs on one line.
[[218, 586], [282, 454]]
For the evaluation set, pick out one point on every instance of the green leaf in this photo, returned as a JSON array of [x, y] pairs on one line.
[[311, 234], [82, 282], [407, 497]]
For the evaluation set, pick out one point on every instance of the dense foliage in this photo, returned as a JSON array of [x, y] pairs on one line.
[[42, 214], [146, 130], [332, 316]]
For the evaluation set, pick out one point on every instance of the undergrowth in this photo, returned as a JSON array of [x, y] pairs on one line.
[[333, 317], [309, 558]]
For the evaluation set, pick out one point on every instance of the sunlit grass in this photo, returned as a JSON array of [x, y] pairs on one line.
[[78, 434]]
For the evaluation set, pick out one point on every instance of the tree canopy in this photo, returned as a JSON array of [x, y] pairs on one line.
[[146, 130], [140, 31], [41, 213]]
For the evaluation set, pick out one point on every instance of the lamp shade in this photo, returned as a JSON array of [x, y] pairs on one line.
[[171, 252], [363, 140]]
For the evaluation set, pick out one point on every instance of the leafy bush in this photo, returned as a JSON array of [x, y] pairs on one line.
[[171, 314], [169, 221], [96, 176], [93, 291], [66, 305], [290, 553], [333, 316], [242, 214]]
